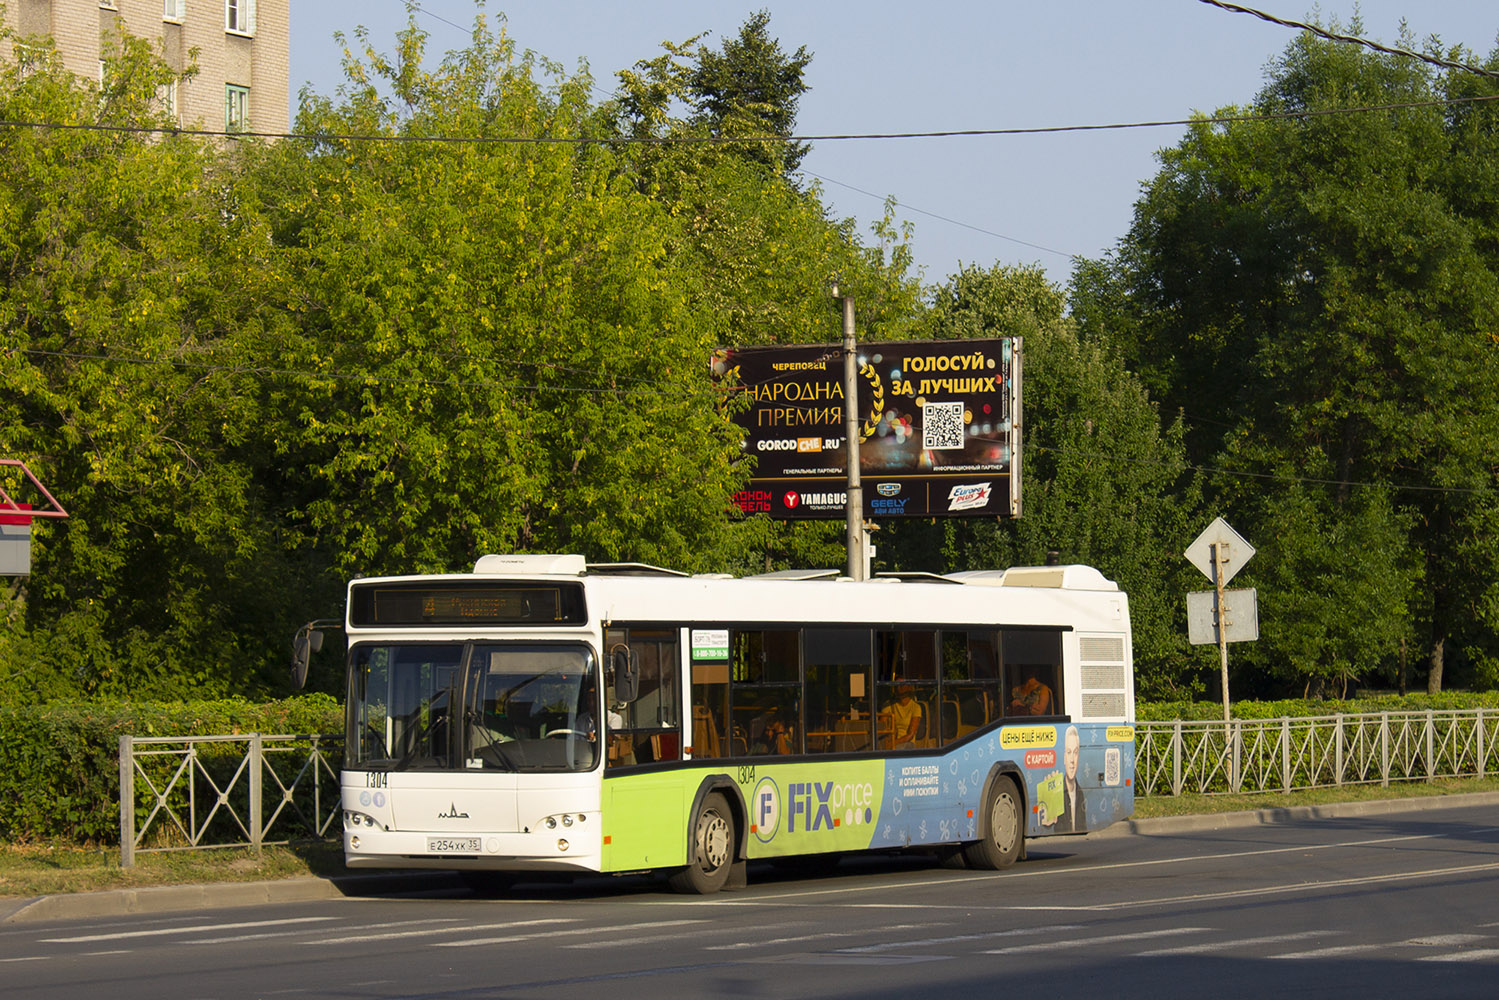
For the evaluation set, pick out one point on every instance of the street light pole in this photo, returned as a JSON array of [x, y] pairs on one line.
[[854, 502]]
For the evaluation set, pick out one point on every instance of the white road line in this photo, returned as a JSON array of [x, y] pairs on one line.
[[1476, 955], [363, 928], [1018, 873], [26, 958], [572, 932], [195, 929], [1211, 946], [114, 951], [1270, 890], [1347, 949], [1441, 940], [1088, 942], [903, 945], [740, 945], [362, 938]]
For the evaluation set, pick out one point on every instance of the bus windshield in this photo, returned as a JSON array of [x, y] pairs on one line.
[[472, 706]]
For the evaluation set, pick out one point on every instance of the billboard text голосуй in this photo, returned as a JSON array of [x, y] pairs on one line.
[[938, 428]]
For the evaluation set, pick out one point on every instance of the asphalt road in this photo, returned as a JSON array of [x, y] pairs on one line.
[[1373, 906]]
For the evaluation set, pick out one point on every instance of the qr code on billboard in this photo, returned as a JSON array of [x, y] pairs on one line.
[[1112, 765], [941, 426]]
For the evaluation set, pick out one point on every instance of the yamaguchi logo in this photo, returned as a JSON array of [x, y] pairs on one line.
[[969, 497], [791, 499], [765, 810]]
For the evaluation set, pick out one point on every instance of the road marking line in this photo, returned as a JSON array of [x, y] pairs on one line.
[[1211, 946], [1043, 872], [1017, 932], [1442, 940], [473, 942], [1271, 890], [1347, 949], [360, 938], [363, 928], [1476, 955], [1090, 941], [809, 937], [196, 929], [26, 958]]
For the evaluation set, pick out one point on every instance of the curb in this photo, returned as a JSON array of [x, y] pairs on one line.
[[223, 895], [214, 895]]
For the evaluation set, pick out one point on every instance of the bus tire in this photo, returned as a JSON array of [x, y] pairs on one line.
[[1004, 828], [710, 849]]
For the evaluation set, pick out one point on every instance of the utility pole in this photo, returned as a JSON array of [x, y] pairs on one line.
[[854, 502]]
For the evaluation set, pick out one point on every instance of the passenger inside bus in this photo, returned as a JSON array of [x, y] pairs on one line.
[[906, 719], [774, 738], [1031, 697]]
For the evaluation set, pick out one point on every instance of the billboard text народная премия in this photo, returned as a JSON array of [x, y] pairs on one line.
[[937, 426]]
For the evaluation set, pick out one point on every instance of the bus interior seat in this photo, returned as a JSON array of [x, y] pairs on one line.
[[704, 733]]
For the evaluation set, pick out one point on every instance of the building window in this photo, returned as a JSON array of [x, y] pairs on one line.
[[173, 10], [166, 99], [236, 108], [239, 16]]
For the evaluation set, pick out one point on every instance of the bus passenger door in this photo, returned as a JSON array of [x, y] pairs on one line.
[[648, 728]]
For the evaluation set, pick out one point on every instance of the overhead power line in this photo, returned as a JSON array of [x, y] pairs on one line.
[[1333, 36], [730, 140]]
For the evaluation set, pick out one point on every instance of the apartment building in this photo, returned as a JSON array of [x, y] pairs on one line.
[[243, 51]]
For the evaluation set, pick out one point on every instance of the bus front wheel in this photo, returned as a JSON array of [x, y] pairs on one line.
[[1005, 831], [710, 849]]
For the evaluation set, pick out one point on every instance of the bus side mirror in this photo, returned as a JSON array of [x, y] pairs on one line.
[[307, 641], [626, 668]]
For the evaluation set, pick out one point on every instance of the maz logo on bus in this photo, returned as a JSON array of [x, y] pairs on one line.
[[813, 805]]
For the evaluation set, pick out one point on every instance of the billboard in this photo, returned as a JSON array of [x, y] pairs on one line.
[[939, 428]]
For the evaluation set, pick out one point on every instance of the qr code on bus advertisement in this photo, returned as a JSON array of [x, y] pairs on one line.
[[941, 426]]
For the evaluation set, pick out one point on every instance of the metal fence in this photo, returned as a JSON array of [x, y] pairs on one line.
[[1286, 754], [182, 793]]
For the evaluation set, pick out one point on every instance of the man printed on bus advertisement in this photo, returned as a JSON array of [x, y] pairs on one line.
[[1061, 804]]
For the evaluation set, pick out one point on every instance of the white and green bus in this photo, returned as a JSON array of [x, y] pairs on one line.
[[544, 714]]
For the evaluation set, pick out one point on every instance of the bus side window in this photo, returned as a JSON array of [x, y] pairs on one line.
[[970, 682], [710, 710], [1033, 672]]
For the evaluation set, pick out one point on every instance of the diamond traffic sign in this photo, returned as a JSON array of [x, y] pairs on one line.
[[1232, 551]]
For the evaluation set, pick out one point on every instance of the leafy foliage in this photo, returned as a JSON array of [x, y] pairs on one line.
[[1103, 482], [59, 763], [1317, 294]]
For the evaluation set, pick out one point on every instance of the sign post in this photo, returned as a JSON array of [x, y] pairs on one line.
[[1219, 553]]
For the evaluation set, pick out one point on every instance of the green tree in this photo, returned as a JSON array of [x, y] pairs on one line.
[[130, 291], [1317, 291], [1103, 482], [508, 354], [751, 87]]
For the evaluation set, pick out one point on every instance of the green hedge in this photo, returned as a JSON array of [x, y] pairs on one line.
[[60, 771], [59, 762], [1168, 711]]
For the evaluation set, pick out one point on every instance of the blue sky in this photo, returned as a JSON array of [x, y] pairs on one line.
[[883, 66]]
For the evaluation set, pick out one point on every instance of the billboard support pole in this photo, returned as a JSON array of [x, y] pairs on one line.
[[853, 505]]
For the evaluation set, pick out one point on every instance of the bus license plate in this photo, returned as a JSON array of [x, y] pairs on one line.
[[452, 845]]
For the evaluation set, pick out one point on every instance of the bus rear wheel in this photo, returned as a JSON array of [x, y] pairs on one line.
[[710, 849], [1004, 832]]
